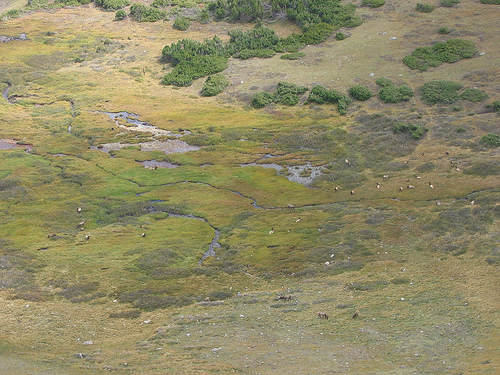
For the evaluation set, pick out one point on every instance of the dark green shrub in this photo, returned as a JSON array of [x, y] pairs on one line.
[[490, 2], [220, 295], [340, 36], [424, 8], [317, 33], [383, 82], [444, 30], [144, 13], [474, 95], [181, 24], [372, 3], [448, 3], [292, 56], [451, 51], [112, 4], [261, 99], [416, 131], [491, 140], [236, 10], [11, 14], [395, 94], [120, 15], [360, 93], [443, 92], [204, 17], [161, 3], [215, 84], [260, 37], [288, 93], [186, 71]]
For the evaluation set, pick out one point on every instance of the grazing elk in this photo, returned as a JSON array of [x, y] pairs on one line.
[[87, 237], [322, 315], [143, 235], [50, 235], [290, 206], [378, 185], [271, 231], [79, 209], [287, 297], [336, 188], [386, 176], [352, 192], [410, 187], [81, 224], [400, 188], [356, 314]]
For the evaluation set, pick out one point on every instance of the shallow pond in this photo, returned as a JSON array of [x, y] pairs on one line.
[[302, 174]]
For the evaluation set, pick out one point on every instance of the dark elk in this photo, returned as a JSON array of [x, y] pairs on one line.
[[322, 315]]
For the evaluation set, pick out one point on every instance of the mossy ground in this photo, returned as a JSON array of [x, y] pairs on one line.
[[420, 264]]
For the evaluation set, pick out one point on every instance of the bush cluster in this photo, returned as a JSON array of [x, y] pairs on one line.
[[416, 131], [112, 4], [286, 93], [372, 3], [390, 93], [443, 92], [448, 3], [181, 23], [360, 93], [451, 51], [490, 1], [215, 84], [321, 95], [144, 13], [474, 95], [444, 30], [491, 140], [424, 8], [120, 15]]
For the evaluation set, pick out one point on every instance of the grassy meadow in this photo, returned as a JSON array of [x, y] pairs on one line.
[[105, 263]]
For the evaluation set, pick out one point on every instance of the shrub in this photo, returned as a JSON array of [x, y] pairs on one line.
[[395, 94], [288, 93], [444, 30], [120, 15], [112, 4], [317, 33], [292, 56], [416, 131], [485, 169], [383, 82], [144, 13], [451, 51], [261, 99], [360, 93], [490, 1], [199, 66], [340, 36], [424, 8], [491, 140], [443, 92], [181, 23], [215, 84], [474, 95], [220, 295], [372, 3], [448, 3]]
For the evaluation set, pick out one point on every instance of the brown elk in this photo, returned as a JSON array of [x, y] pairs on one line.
[[286, 297], [322, 315], [356, 314], [410, 187]]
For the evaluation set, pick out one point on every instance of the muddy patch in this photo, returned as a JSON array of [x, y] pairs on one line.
[[301, 174], [157, 164], [5, 39], [6, 144], [5, 93]]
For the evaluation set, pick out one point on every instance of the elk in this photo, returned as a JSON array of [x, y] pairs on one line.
[[80, 224], [271, 231], [79, 209], [400, 188], [336, 188], [297, 220], [290, 206], [50, 235], [352, 192], [410, 187], [386, 176], [431, 185], [286, 297], [322, 315], [87, 237], [378, 185], [143, 235], [356, 314]]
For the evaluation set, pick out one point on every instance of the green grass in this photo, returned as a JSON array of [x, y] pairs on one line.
[[420, 264]]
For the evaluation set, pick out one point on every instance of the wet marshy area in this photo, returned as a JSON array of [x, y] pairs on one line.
[[129, 122], [302, 174], [6, 144]]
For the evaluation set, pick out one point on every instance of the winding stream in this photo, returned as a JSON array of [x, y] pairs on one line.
[[214, 244], [5, 93]]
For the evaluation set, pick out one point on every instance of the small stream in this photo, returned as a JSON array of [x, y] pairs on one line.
[[214, 244], [5, 92]]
